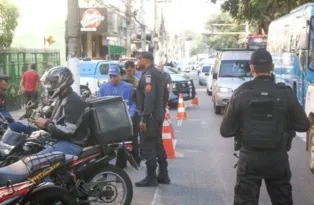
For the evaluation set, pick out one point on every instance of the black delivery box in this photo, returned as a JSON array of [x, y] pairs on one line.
[[110, 120]]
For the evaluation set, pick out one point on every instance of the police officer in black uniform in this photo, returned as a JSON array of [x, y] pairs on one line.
[[150, 97], [264, 115]]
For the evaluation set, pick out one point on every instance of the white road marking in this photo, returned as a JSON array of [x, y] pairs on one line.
[[156, 199], [174, 142], [179, 123]]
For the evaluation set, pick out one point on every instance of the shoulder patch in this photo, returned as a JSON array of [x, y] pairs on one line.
[[148, 88], [148, 78]]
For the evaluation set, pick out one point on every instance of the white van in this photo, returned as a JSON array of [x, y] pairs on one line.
[[232, 69]]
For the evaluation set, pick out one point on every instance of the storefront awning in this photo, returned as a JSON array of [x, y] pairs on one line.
[[117, 50]]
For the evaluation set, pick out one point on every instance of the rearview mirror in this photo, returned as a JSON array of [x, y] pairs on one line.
[[215, 76], [304, 40]]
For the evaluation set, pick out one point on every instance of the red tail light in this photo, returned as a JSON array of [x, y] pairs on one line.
[[16, 190]]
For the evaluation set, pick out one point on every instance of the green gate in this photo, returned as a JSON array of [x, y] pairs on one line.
[[14, 62]]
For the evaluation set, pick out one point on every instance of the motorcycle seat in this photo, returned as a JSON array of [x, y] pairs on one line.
[[22, 169], [87, 151]]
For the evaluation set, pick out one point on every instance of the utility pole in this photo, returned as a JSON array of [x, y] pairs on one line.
[[128, 27], [143, 32], [74, 42]]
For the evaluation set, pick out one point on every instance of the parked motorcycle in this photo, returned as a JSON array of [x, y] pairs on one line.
[[12, 142], [20, 182], [89, 177]]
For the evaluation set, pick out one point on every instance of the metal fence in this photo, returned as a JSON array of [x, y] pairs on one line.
[[14, 62]]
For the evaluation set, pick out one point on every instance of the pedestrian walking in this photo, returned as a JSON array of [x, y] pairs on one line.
[[29, 81], [150, 97], [264, 116]]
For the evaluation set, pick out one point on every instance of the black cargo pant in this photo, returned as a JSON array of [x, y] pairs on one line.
[[274, 170], [151, 146]]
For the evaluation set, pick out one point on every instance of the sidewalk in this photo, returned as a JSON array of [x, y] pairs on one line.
[[16, 114]]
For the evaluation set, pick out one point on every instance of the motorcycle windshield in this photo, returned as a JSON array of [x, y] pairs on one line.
[[13, 138]]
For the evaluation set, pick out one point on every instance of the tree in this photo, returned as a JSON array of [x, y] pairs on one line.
[[9, 14], [259, 12], [222, 41]]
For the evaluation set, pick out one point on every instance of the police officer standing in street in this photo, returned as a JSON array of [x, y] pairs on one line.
[[150, 97], [263, 114]]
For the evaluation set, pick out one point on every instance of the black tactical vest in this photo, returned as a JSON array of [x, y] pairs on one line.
[[264, 118]]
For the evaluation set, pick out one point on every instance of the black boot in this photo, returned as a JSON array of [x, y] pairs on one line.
[[149, 181], [163, 177]]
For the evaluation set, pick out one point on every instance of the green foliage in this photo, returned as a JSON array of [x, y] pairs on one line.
[[222, 41], [9, 15], [259, 12]]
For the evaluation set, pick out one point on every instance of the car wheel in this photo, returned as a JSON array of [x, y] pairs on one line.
[[209, 93], [217, 109]]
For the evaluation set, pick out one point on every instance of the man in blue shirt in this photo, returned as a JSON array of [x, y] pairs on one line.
[[117, 87]]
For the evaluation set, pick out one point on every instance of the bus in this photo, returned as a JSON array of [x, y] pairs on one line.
[[253, 41], [293, 33]]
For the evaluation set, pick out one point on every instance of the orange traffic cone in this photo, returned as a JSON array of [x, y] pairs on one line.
[[167, 112], [167, 140], [171, 129], [195, 100], [181, 109]]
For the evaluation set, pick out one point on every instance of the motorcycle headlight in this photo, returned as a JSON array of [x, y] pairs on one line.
[[189, 82], [224, 90]]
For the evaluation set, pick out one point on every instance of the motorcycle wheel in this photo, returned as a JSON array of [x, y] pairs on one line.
[[50, 196], [119, 175]]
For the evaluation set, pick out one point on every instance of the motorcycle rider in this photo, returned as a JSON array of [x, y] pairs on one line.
[[12, 124], [64, 123]]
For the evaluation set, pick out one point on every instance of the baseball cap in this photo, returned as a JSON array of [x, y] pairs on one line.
[[147, 55], [261, 58], [114, 70], [4, 77]]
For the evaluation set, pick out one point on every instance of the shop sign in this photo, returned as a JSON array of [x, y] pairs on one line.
[[91, 20]]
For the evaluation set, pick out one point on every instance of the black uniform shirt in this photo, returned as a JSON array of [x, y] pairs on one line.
[[150, 95], [231, 123]]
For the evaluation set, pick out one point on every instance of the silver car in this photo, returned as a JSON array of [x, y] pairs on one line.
[[231, 70]]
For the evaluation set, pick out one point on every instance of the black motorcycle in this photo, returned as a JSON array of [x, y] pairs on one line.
[[12, 142], [89, 177]]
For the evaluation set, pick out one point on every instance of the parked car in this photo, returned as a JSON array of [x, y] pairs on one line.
[[232, 69], [181, 84], [209, 83], [182, 66], [93, 73], [204, 72]]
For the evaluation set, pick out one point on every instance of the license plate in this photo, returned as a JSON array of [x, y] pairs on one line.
[[186, 95]]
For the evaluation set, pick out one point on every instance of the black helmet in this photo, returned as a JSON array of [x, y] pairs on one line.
[[58, 79]]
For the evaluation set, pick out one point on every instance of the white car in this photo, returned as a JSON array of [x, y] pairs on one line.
[[204, 73], [209, 83]]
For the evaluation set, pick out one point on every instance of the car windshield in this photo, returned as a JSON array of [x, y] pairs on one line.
[[206, 69], [234, 68], [170, 70]]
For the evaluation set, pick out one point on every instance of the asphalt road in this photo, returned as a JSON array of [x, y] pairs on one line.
[[203, 173]]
